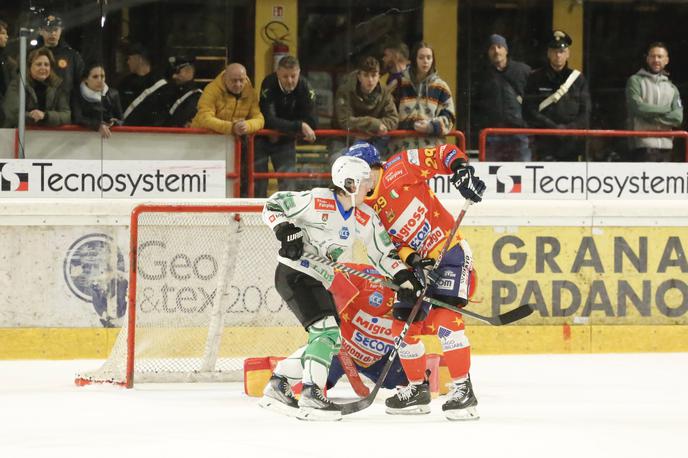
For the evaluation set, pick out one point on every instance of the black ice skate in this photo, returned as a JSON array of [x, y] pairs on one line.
[[462, 402], [410, 400], [278, 396], [314, 406]]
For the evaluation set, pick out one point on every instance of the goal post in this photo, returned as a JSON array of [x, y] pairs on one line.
[[201, 297]]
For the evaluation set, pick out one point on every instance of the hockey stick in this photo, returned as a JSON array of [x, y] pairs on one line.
[[361, 404], [516, 314], [351, 372]]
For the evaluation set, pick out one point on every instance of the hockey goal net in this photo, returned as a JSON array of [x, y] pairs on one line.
[[201, 297]]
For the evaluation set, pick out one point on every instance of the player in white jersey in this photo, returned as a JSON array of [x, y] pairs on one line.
[[333, 223]]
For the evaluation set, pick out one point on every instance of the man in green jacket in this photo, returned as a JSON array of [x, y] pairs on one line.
[[653, 103]]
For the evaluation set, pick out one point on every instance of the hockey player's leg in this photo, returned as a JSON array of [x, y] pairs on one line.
[[461, 403], [414, 398], [324, 341], [277, 395]]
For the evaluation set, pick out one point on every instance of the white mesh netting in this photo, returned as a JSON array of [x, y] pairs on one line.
[[205, 299]]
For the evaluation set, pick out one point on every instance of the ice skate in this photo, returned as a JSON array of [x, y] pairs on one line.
[[314, 406], [462, 402], [410, 400], [278, 396]]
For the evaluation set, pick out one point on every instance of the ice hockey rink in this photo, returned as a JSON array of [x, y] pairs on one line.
[[611, 405]]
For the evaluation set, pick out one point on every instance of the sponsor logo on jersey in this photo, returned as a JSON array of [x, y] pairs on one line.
[[373, 325], [390, 215], [384, 236], [357, 354], [362, 217], [392, 161], [412, 156], [448, 159], [445, 283], [443, 332], [325, 204], [344, 233], [376, 346], [451, 340], [393, 174], [375, 299], [410, 220], [420, 236], [432, 240], [272, 218], [449, 273]]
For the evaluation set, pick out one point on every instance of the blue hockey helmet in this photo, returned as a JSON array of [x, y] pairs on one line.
[[365, 151]]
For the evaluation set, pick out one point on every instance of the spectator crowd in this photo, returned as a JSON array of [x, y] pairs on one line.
[[61, 88]]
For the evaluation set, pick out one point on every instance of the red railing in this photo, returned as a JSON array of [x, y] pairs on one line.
[[579, 132], [252, 175]]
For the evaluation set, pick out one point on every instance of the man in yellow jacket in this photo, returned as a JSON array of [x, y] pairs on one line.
[[229, 106]]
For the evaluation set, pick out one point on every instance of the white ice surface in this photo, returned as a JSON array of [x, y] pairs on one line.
[[619, 405]]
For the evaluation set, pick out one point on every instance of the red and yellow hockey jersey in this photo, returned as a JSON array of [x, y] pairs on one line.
[[364, 310], [408, 208]]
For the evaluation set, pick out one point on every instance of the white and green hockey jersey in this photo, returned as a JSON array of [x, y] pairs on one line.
[[356, 235]]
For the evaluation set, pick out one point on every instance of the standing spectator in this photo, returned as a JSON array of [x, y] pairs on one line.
[[180, 96], [653, 103], [557, 97], [395, 60], [47, 103], [499, 99], [169, 102], [426, 103], [362, 104], [138, 84], [8, 66], [288, 103], [229, 106], [69, 65], [96, 105]]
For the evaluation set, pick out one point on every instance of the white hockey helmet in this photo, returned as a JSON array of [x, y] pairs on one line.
[[349, 172]]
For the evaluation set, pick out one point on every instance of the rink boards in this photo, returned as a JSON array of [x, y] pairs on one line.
[[604, 276]]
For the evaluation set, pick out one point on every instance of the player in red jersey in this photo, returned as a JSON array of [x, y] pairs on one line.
[[419, 224], [364, 310]]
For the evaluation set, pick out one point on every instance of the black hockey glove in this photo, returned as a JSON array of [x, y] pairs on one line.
[[419, 265], [470, 186], [406, 294], [292, 241]]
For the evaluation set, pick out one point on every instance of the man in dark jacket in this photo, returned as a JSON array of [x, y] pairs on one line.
[[180, 95], [287, 102], [69, 64], [499, 99], [557, 97], [173, 103], [138, 86]]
